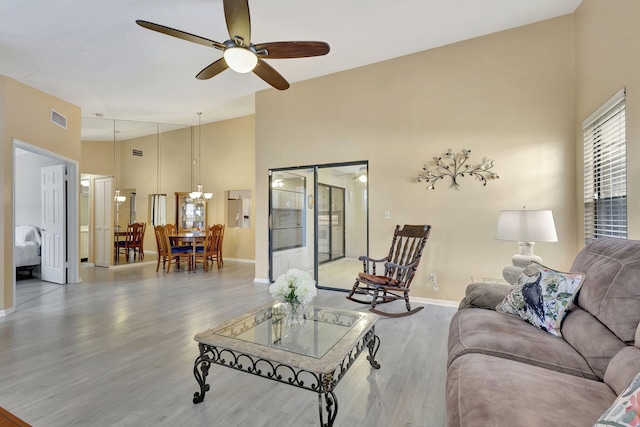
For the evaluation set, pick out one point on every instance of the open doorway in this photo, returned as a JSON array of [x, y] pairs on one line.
[[319, 222], [30, 194]]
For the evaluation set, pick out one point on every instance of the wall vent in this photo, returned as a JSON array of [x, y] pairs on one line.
[[136, 152], [58, 119]]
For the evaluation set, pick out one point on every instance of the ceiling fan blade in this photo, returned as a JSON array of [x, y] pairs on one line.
[[236, 13], [212, 69], [269, 75], [279, 50], [179, 34]]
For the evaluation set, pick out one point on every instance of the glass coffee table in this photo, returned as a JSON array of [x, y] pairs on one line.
[[314, 356]]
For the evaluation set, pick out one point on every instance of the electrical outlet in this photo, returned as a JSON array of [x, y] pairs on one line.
[[387, 215], [432, 280]]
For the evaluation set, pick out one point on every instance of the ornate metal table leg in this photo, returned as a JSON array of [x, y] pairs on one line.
[[331, 406], [374, 345], [202, 362]]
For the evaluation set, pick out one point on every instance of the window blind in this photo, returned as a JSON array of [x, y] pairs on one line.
[[605, 171]]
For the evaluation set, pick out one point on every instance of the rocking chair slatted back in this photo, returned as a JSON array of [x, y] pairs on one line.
[[406, 249], [400, 266]]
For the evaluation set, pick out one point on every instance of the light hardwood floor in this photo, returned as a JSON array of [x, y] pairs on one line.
[[118, 350]]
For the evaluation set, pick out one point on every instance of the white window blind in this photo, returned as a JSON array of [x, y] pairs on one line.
[[605, 171]]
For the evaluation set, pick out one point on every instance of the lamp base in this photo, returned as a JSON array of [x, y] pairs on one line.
[[520, 261]]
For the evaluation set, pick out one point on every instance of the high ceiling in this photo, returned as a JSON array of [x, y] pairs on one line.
[[92, 53]]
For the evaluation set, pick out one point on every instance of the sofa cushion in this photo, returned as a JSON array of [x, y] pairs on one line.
[[625, 411], [484, 295], [594, 341], [541, 296], [610, 291], [475, 330], [489, 391], [623, 368]]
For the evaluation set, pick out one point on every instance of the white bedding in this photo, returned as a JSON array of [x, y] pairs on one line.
[[27, 254], [27, 245]]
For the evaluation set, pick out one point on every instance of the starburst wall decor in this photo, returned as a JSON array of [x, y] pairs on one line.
[[455, 166]]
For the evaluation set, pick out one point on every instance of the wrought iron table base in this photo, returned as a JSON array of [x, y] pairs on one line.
[[323, 384]]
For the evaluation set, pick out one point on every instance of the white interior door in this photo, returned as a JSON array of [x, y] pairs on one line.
[[103, 222], [54, 256]]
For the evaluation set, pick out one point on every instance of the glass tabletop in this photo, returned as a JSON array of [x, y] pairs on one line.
[[323, 329]]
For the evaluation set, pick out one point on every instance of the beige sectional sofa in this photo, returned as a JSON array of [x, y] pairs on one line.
[[503, 371]]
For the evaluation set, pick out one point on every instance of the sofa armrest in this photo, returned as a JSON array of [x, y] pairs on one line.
[[484, 295]]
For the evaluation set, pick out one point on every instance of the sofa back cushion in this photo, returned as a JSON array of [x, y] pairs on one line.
[[594, 341], [611, 288]]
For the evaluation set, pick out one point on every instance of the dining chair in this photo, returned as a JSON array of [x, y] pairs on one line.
[[220, 246], [168, 253], [123, 246], [140, 242], [135, 236], [209, 250]]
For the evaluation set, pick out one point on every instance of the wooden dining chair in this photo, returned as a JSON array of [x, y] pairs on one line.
[[209, 250], [219, 249], [140, 241], [167, 253], [123, 246], [396, 271], [133, 242]]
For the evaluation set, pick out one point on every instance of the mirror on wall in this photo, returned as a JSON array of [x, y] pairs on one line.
[[238, 208], [147, 161]]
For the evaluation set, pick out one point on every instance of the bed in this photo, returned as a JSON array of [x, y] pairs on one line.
[[26, 252]]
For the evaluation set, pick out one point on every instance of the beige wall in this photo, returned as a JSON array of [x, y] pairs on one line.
[[508, 96], [607, 60], [25, 115], [228, 163]]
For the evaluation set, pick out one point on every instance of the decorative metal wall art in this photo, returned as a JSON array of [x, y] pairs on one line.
[[455, 165]]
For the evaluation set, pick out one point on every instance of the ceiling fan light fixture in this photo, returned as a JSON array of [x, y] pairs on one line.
[[240, 59]]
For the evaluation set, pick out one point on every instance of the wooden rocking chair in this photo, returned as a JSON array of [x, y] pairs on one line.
[[399, 269]]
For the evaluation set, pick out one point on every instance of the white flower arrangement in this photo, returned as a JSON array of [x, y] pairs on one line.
[[294, 286]]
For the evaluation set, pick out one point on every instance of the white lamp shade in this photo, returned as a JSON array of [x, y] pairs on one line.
[[526, 226], [240, 59]]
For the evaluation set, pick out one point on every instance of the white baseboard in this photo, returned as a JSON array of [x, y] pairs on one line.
[[261, 280], [432, 301], [7, 311], [249, 261], [132, 265]]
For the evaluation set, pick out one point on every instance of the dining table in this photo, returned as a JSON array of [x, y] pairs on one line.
[[192, 238]]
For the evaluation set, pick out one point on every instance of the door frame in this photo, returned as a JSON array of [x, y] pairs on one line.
[[73, 208], [315, 214]]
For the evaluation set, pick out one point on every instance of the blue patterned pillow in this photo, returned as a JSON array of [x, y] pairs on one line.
[[541, 296], [625, 410]]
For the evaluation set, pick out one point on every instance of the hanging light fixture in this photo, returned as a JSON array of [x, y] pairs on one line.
[[199, 195], [119, 199]]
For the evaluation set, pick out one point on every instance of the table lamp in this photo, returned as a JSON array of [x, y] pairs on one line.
[[525, 227]]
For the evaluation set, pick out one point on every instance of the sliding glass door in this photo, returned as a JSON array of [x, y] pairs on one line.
[[331, 230], [291, 214], [319, 222]]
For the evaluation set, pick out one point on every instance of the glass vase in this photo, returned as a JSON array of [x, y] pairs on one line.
[[294, 313]]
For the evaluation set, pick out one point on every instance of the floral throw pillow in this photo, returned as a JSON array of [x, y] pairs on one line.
[[541, 296], [625, 410]]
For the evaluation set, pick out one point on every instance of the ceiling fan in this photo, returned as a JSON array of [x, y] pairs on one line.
[[239, 53]]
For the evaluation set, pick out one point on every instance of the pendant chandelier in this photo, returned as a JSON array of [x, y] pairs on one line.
[[199, 195], [119, 199]]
